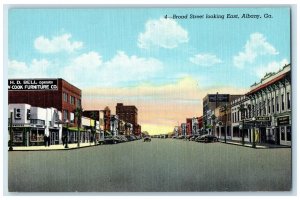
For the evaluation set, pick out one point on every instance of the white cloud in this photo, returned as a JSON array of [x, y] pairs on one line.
[[89, 68], [256, 46], [84, 68], [205, 59], [166, 33], [274, 66], [56, 44], [36, 69]]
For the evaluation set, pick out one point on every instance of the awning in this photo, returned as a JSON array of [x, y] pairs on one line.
[[75, 129]]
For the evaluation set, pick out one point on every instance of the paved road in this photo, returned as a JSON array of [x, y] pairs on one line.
[[163, 165]]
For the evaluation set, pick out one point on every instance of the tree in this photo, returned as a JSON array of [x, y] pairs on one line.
[[78, 114]]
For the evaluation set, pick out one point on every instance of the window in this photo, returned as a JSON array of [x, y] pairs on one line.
[[288, 133], [235, 117], [273, 105], [232, 117], [78, 103], [282, 102], [65, 97], [72, 100], [65, 114], [277, 104], [288, 100], [269, 106]]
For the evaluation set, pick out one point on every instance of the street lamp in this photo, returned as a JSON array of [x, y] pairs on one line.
[[253, 143], [67, 139]]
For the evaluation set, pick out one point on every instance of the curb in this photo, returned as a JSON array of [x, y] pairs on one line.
[[64, 149], [257, 147]]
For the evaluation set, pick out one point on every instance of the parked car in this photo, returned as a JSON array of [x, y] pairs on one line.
[[181, 137], [188, 137], [206, 138], [109, 139], [147, 139]]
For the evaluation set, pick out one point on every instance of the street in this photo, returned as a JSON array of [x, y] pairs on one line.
[[162, 165]]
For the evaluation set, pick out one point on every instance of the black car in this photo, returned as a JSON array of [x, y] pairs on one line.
[[147, 139], [111, 139], [206, 138]]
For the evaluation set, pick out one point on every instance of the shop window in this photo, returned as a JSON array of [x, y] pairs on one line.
[[18, 137], [288, 133]]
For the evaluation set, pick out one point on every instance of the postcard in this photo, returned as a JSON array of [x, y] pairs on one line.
[[141, 99]]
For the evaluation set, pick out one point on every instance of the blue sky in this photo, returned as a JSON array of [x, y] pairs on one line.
[[137, 51], [108, 31]]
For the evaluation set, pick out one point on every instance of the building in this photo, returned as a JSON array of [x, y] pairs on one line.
[[270, 108], [31, 124], [188, 126], [65, 99], [239, 112], [114, 125], [195, 126], [183, 129], [200, 123], [98, 116], [129, 114], [106, 119], [210, 103]]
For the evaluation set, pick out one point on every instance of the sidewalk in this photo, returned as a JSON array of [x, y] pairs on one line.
[[258, 145], [52, 147]]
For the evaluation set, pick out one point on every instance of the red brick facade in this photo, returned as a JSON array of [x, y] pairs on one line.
[[47, 99], [188, 126], [129, 114]]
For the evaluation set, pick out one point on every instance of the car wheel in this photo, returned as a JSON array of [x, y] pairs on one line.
[[205, 140], [115, 142], [215, 139]]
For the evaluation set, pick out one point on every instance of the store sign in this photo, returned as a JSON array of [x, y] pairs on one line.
[[218, 97], [32, 84], [283, 120], [262, 118]]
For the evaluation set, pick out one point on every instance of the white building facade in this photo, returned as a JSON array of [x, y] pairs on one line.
[[270, 108], [30, 125]]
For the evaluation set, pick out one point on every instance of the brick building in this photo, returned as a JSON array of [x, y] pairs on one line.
[[188, 126], [129, 114], [65, 99]]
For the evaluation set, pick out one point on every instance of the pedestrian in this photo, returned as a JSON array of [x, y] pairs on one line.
[[63, 140], [45, 140], [48, 139]]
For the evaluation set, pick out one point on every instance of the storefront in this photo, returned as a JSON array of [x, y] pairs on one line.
[[284, 129]]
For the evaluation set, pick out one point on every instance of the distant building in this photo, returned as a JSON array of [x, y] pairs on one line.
[[210, 103], [183, 129], [129, 114], [188, 126]]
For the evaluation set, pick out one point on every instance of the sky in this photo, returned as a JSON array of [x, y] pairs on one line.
[[163, 66]]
